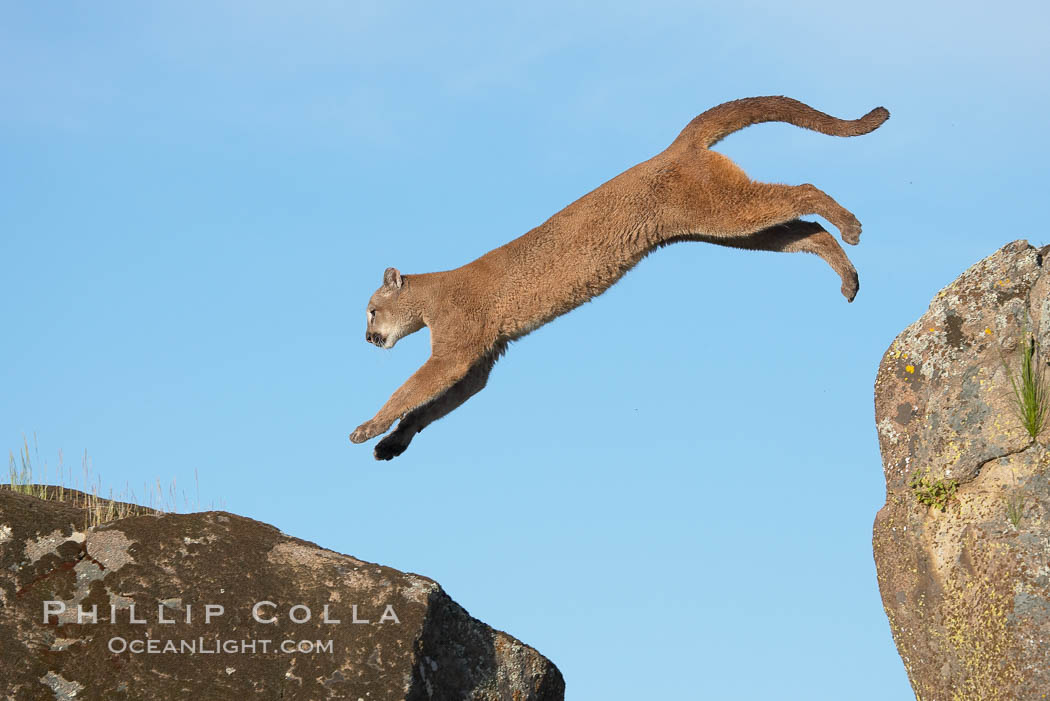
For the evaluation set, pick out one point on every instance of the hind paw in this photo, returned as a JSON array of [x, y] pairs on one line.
[[851, 232], [850, 285]]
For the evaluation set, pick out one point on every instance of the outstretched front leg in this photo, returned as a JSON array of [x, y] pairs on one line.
[[421, 417], [436, 376]]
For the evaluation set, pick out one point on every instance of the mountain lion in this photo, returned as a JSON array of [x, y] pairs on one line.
[[685, 193]]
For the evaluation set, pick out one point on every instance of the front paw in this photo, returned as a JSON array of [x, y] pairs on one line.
[[392, 446], [369, 429]]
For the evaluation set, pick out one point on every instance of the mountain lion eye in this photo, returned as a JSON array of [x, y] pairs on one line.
[[371, 314]]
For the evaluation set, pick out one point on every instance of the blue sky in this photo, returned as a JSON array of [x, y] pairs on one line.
[[198, 201]]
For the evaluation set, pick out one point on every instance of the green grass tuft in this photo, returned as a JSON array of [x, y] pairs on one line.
[[1031, 393], [1015, 503]]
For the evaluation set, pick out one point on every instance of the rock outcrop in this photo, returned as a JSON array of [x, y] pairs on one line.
[[962, 545], [216, 606]]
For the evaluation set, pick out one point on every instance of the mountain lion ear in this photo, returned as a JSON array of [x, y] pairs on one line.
[[392, 278]]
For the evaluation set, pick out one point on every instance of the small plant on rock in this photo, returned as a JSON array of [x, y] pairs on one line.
[[1031, 393], [1016, 500], [1015, 503], [935, 493]]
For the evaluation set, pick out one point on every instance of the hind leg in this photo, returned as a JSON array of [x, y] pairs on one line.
[[805, 236], [758, 206]]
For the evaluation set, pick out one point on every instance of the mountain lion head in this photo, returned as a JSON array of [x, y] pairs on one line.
[[388, 320]]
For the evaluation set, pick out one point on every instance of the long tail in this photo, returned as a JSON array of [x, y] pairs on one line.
[[718, 122]]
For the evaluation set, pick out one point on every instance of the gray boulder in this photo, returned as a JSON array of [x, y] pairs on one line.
[[962, 545], [215, 606]]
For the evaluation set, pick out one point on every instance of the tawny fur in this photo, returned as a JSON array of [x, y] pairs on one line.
[[686, 192]]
